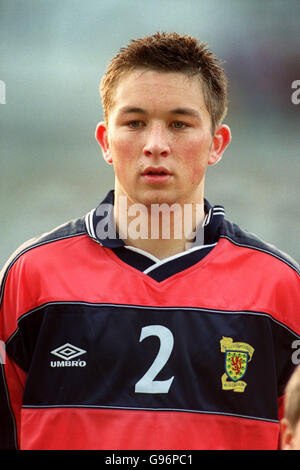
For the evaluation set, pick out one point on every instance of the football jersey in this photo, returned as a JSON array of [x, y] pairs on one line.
[[108, 347]]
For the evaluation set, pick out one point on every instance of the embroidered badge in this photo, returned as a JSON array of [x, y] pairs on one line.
[[237, 357]]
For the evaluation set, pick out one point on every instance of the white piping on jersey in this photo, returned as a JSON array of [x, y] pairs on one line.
[[147, 307], [216, 210], [159, 262], [89, 224], [272, 253], [182, 410], [207, 219], [142, 252], [219, 213]]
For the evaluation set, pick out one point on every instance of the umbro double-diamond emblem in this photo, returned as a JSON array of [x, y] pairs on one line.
[[68, 352]]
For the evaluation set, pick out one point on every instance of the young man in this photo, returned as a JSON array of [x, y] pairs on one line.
[[290, 423], [153, 322]]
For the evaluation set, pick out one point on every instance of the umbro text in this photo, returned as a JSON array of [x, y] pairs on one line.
[[68, 363]]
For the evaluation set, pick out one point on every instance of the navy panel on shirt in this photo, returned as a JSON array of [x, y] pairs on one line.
[[114, 357], [178, 264]]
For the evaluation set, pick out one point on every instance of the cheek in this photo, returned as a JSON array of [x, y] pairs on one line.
[[195, 163], [122, 152], [197, 174]]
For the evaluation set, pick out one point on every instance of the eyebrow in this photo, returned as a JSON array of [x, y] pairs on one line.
[[132, 109], [183, 111], [186, 112]]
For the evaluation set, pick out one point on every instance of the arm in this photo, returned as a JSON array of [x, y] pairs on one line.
[[12, 377], [12, 380]]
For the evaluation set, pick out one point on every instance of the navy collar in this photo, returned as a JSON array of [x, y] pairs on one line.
[[100, 223]]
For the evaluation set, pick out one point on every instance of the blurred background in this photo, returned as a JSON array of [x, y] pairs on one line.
[[52, 56]]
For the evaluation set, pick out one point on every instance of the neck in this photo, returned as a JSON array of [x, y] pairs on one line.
[[160, 229]]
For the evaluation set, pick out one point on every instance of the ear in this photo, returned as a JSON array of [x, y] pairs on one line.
[[102, 139], [286, 435], [221, 140]]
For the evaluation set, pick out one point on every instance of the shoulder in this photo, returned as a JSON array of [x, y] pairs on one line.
[[248, 240], [263, 275], [68, 230]]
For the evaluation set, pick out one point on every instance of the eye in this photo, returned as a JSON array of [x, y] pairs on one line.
[[179, 125], [135, 124]]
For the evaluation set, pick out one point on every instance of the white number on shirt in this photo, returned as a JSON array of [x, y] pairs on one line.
[[147, 384]]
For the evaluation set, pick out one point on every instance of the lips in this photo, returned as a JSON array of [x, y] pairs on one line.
[[156, 175], [156, 171]]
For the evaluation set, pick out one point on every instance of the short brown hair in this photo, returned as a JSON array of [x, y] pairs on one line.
[[170, 52], [292, 398]]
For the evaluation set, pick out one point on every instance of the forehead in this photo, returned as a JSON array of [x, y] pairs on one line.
[[150, 87]]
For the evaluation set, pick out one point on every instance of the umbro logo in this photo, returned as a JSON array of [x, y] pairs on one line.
[[68, 352]]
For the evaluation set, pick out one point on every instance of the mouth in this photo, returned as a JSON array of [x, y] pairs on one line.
[[156, 174]]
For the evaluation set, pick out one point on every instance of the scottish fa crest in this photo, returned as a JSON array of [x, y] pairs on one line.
[[237, 357]]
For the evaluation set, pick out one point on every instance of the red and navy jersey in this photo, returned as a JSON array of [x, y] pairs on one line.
[[108, 347]]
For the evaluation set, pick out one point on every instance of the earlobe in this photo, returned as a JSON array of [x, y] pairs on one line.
[[102, 139], [221, 140]]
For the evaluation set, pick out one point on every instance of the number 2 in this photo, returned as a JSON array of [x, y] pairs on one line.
[[147, 384]]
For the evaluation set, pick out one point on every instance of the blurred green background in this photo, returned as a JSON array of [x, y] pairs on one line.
[[52, 56]]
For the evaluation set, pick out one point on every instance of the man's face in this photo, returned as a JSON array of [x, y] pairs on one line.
[[159, 138]]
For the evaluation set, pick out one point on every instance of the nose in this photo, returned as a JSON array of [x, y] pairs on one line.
[[156, 142]]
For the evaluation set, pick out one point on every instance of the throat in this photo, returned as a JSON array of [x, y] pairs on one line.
[[163, 230]]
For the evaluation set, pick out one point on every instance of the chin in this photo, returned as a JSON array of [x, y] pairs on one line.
[[158, 197]]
